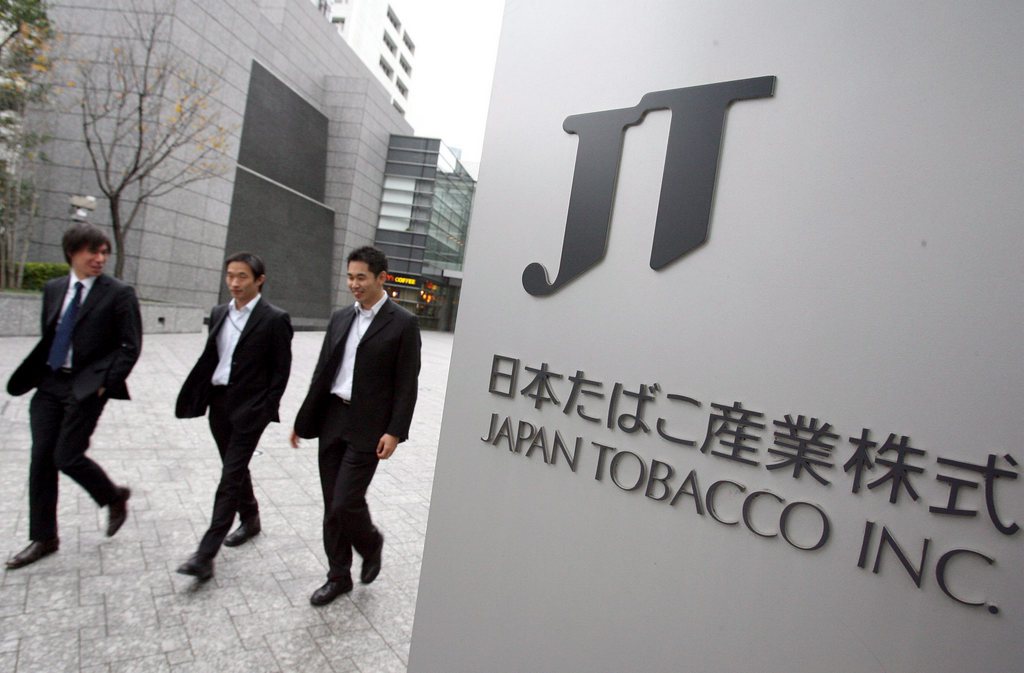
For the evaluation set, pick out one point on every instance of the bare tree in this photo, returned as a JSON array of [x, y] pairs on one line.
[[150, 120]]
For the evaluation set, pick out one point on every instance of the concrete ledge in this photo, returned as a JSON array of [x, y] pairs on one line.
[[309, 324], [167, 318], [19, 315]]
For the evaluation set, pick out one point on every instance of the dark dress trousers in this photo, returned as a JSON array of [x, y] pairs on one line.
[[106, 343], [241, 410], [384, 389]]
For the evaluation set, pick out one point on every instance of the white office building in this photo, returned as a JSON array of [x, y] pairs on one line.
[[377, 34]]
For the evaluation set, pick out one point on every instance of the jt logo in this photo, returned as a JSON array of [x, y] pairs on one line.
[[687, 181]]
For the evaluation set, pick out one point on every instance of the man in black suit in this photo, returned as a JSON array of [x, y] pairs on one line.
[[240, 376], [91, 338], [359, 405]]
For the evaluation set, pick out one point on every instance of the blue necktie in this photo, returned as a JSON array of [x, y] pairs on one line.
[[62, 340]]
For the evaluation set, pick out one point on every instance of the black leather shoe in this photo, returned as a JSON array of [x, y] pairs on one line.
[[33, 552], [197, 566], [329, 591], [245, 532], [117, 511], [371, 562]]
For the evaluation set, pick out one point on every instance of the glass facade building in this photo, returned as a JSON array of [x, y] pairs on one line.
[[424, 219]]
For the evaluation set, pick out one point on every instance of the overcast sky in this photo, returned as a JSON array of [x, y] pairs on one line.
[[456, 45]]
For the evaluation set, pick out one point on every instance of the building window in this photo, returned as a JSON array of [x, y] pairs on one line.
[[409, 44], [398, 107], [402, 89], [390, 44], [386, 67], [405, 65], [393, 18]]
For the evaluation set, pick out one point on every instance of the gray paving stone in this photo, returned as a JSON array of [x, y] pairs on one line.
[[12, 599], [343, 616], [352, 644], [153, 664], [45, 654], [116, 605], [385, 661], [103, 668], [257, 660], [212, 633], [140, 644], [402, 650], [61, 624], [131, 613], [284, 619], [179, 657], [296, 651], [92, 632], [51, 593]]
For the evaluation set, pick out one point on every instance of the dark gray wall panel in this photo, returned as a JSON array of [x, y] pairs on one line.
[[283, 136], [293, 235]]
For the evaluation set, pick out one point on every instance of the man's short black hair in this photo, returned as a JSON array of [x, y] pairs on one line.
[[254, 261], [374, 258], [81, 236]]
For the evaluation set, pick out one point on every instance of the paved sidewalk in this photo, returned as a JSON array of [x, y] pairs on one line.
[[104, 605]]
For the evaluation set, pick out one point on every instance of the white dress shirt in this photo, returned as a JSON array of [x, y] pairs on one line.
[[227, 338], [87, 284], [343, 379]]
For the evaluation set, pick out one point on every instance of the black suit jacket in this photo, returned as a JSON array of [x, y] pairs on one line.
[[105, 344], [260, 367], [385, 381]]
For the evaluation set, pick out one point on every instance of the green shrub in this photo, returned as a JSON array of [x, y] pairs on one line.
[[37, 273]]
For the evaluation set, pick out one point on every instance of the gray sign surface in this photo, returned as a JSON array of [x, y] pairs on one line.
[[792, 446]]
